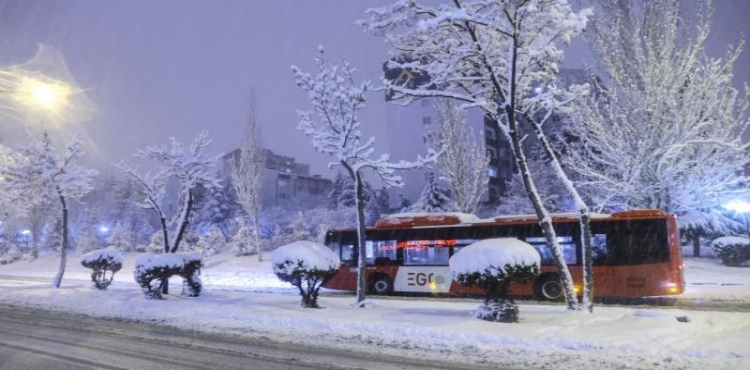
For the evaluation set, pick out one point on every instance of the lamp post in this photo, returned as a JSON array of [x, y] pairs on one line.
[[741, 207], [104, 230], [26, 233]]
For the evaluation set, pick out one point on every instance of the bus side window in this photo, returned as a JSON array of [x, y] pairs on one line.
[[545, 252], [347, 254], [381, 252], [599, 250]]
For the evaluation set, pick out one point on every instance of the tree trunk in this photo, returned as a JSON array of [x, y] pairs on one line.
[[184, 222], [361, 240], [588, 265], [64, 242], [588, 262], [256, 233], [545, 221]]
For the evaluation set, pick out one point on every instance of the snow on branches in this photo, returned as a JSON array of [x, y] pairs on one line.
[[190, 165], [334, 128], [491, 55], [664, 129], [38, 173], [333, 125]]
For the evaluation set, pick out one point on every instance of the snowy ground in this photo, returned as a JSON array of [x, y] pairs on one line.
[[243, 297]]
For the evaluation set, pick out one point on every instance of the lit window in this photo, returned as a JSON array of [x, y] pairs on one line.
[[492, 171]]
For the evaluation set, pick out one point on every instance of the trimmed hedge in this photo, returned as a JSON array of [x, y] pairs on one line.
[[102, 261], [153, 269], [733, 251]]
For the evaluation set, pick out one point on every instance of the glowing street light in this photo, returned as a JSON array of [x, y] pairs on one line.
[[50, 95], [43, 88], [26, 233], [741, 207]]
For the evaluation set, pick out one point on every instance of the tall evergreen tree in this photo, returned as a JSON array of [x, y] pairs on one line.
[[434, 198]]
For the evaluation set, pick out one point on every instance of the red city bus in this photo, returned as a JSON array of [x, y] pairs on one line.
[[636, 253]]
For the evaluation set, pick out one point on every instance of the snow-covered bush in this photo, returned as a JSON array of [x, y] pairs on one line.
[[87, 243], [156, 245], [307, 266], [152, 270], [212, 244], [242, 242], [732, 250], [101, 261], [491, 265], [121, 238], [12, 255]]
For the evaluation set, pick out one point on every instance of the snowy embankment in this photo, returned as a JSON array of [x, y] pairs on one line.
[[241, 297]]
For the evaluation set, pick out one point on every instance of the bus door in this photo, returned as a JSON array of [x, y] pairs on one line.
[[640, 252], [604, 272], [425, 267]]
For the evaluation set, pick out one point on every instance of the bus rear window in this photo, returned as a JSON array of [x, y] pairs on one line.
[[636, 242]]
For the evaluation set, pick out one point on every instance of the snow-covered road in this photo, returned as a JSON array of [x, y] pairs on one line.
[[43, 340]]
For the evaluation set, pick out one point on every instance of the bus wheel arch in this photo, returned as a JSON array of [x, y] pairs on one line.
[[548, 287], [381, 284]]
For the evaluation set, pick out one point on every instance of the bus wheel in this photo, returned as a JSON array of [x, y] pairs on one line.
[[548, 288], [381, 285]]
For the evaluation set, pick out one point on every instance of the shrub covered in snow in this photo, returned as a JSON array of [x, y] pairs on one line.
[[157, 243], [102, 261], [732, 250], [13, 254], [242, 242], [491, 265], [307, 266], [210, 244], [153, 269]]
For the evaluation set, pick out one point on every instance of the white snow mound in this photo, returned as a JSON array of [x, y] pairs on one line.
[[493, 254]]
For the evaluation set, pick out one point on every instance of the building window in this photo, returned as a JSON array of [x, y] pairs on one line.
[[491, 153], [282, 182], [492, 170], [425, 102], [426, 121], [489, 133]]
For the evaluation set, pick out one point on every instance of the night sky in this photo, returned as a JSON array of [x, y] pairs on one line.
[[160, 68]]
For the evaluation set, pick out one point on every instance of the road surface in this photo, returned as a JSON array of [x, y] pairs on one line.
[[42, 340]]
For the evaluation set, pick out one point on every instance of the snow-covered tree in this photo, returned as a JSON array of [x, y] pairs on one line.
[[156, 243], [555, 198], [211, 244], [246, 174], [663, 129], [300, 230], [127, 213], [243, 241], [491, 55], [120, 239], [188, 165], [87, 241], [334, 128], [213, 208], [463, 165], [434, 198], [379, 206], [39, 170]]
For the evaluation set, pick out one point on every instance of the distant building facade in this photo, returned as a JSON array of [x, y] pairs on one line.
[[284, 181], [413, 128]]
